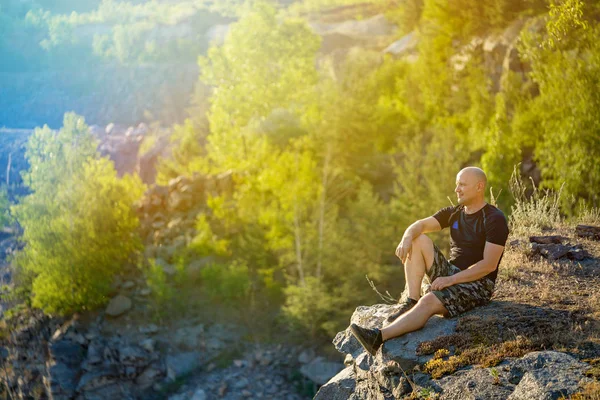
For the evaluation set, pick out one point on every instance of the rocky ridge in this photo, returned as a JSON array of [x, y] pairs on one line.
[[516, 347]]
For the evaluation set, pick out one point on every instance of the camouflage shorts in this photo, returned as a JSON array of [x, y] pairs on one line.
[[461, 297]]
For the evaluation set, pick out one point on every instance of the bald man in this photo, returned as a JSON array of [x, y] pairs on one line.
[[478, 233]]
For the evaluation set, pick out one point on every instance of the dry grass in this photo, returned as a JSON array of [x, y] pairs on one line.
[[537, 211], [590, 391]]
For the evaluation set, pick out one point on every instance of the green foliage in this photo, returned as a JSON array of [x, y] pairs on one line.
[[79, 225], [567, 70], [309, 305], [188, 154], [163, 292], [5, 218], [277, 72], [425, 177], [227, 284]]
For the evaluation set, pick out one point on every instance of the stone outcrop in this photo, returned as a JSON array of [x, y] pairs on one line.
[[390, 374], [88, 358]]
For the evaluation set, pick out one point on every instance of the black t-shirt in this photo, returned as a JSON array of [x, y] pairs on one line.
[[469, 232]]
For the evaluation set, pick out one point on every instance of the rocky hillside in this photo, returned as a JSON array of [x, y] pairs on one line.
[[537, 338]]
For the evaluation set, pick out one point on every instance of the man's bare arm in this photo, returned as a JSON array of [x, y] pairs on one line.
[[425, 225], [404, 249], [491, 256]]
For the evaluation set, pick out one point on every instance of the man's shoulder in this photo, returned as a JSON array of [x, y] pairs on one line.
[[494, 217], [493, 212]]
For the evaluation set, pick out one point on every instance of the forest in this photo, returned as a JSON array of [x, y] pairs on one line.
[[331, 159]]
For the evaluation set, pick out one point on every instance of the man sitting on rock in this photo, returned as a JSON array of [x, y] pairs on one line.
[[478, 234]]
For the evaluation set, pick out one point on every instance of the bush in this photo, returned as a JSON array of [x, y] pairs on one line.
[[308, 305], [227, 284], [163, 293], [79, 225]]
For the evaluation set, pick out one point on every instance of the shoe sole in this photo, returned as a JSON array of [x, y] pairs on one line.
[[362, 342]]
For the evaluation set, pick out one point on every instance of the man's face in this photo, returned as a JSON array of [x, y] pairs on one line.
[[466, 188]]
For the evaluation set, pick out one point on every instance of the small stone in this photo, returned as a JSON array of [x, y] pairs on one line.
[[241, 383], [145, 292], [199, 395], [222, 389], [306, 356], [148, 344], [118, 305], [148, 329], [182, 364], [238, 363], [128, 285], [246, 393]]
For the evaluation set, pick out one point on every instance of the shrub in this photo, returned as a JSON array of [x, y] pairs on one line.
[[227, 284], [79, 225]]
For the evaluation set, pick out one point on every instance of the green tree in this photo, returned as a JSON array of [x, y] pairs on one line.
[[566, 69], [264, 64], [79, 225]]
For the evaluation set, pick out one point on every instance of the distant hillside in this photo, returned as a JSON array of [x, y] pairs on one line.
[[125, 95]]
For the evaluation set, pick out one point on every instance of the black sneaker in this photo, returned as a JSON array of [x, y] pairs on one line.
[[370, 339], [404, 307]]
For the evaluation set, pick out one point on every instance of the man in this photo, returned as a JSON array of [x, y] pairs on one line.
[[478, 234]]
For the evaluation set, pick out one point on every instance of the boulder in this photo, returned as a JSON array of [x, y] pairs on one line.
[[182, 364], [320, 371], [340, 387], [402, 349]]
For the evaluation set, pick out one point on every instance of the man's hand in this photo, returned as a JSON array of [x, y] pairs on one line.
[[442, 282], [404, 250]]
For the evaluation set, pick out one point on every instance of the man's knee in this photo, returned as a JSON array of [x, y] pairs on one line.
[[424, 245], [422, 241], [432, 304]]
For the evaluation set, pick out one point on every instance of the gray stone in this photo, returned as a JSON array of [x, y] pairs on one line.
[[148, 344], [477, 383], [547, 375], [118, 390], [151, 328], [128, 285], [340, 387], [306, 356], [67, 352], [118, 305], [187, 338], [182, 364], [320, 371], [62, 379], [94, 354], [147, 378], [199, 394], [133, 355], [404, 46], [241, 383], [98, 378]]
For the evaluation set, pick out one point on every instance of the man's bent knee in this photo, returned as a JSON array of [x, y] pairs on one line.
[[425, 245], [432, 304]]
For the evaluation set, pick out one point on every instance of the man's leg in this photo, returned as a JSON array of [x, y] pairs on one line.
[[421, 260], [415, 318]]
